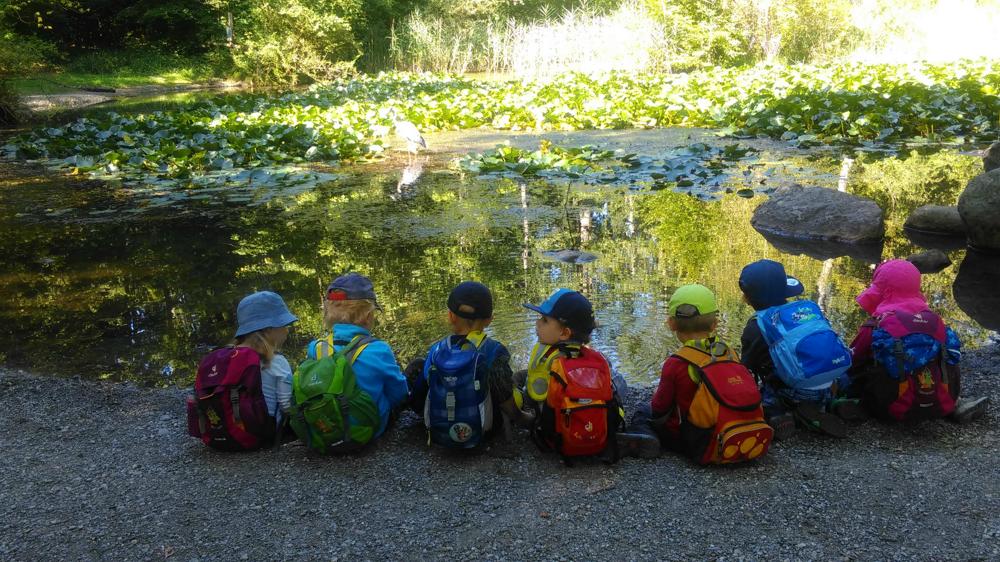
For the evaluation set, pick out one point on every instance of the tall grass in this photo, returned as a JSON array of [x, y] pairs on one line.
[[581, 39]]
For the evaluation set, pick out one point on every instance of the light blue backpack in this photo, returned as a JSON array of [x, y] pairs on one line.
[[807, 354]]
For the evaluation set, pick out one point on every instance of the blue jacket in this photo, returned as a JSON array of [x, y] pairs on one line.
[[376, 370]]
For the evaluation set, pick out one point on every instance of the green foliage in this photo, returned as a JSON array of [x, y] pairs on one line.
[[10, 105], [188, 26], [20, 55], [847, 104], [285, 42]]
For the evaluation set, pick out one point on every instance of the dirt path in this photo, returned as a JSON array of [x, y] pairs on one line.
[[92, 471], [78, 98]]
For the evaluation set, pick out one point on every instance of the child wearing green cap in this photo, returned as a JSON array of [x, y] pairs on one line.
[[693, 318], [487, 390]]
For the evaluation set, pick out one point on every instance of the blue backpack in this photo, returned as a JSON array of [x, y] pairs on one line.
[[807, 354], [458, 411]]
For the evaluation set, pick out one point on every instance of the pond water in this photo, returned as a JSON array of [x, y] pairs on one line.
[[136, 283]]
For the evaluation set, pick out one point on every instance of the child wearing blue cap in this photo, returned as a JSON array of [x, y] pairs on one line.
[[464, 384], [572, 385], [349, 313], [765, 285], [242, 391]]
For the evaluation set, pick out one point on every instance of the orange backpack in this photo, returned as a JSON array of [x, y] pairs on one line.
[[581, 412], [726, 421]]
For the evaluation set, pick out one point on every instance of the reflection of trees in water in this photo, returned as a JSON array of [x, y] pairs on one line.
[[132, 296]]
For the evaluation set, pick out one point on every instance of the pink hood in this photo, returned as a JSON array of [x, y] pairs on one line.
[[895, 286]]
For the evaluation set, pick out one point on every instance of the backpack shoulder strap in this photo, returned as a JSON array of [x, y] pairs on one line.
[[358, 344]]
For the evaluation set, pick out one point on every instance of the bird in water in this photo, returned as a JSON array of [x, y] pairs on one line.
[[409, 132]]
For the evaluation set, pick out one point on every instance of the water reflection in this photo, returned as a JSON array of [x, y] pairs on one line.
[[143, 296]]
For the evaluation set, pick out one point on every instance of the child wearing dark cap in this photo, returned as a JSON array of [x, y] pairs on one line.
[[349, 313], [563, 328], [470, 312], [765, 284]]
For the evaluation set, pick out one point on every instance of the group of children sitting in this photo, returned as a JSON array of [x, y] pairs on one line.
[[710, 404]]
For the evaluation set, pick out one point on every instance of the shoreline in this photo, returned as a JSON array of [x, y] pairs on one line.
[[98, 470]]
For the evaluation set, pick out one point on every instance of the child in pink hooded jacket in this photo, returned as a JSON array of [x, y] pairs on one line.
[[898, 309]]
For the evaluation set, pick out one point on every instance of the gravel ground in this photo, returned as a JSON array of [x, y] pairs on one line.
[[105, 471]]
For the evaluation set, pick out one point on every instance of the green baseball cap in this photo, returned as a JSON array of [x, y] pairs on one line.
[[692, 300]]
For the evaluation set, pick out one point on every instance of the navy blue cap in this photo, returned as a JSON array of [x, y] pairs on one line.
[[765, 284], [569, 307], [472, 295], [262, 310], [351, 287]]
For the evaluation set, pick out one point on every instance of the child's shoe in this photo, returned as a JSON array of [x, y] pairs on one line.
[[969, 409], [638, 444], [811, 416], [848, 409], [783, 426]]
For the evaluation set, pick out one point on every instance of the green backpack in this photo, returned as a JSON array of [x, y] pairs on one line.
[[330, 413]]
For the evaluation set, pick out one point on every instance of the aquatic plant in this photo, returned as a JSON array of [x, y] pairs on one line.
[[851, 104]]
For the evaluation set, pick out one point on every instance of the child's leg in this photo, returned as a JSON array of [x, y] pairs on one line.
[[418, 392]]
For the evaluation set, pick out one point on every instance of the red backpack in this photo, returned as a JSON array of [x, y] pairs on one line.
[[228, 411], [726, 421], [581, 412]]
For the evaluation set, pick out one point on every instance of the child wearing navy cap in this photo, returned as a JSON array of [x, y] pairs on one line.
[[349, 313], [469, 406], [765, 284], [561, 354]]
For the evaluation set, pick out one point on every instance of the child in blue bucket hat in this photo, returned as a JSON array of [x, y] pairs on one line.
[[243, 390], [262, 320]]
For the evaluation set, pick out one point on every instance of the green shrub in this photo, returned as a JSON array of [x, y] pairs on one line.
[[11, 110], [20, 55], [287, 42]]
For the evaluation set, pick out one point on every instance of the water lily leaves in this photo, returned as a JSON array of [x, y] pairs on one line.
[[859, 105]]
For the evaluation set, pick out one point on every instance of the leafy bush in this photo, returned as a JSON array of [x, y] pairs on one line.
[[11, 110], [21, 55], [286, 42]]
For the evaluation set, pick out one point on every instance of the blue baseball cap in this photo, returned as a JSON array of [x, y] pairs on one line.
[[262, 310], [351, 287], [569, 307], [765, 284]]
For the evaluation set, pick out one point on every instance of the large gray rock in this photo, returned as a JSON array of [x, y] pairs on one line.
[[816, 213], [937, 220], [930, 261], [979, 206], [975, 288], [991, 159]]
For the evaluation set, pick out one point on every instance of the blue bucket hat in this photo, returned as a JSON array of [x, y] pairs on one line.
[[352, 287], [569, 307], [765, 284], [262, 310]]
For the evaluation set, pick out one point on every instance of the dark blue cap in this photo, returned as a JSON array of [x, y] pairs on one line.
[[351, 287], [765, 284], [472, 295], [569, 307]]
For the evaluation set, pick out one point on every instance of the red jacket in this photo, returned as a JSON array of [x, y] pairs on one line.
[[673, 396]]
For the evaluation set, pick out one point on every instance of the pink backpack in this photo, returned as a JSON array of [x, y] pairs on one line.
[[228, 411]]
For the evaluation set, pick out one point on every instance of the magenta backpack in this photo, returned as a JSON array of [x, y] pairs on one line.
[[228, 411]]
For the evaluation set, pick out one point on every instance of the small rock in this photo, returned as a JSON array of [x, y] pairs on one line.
[[930, 261]]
